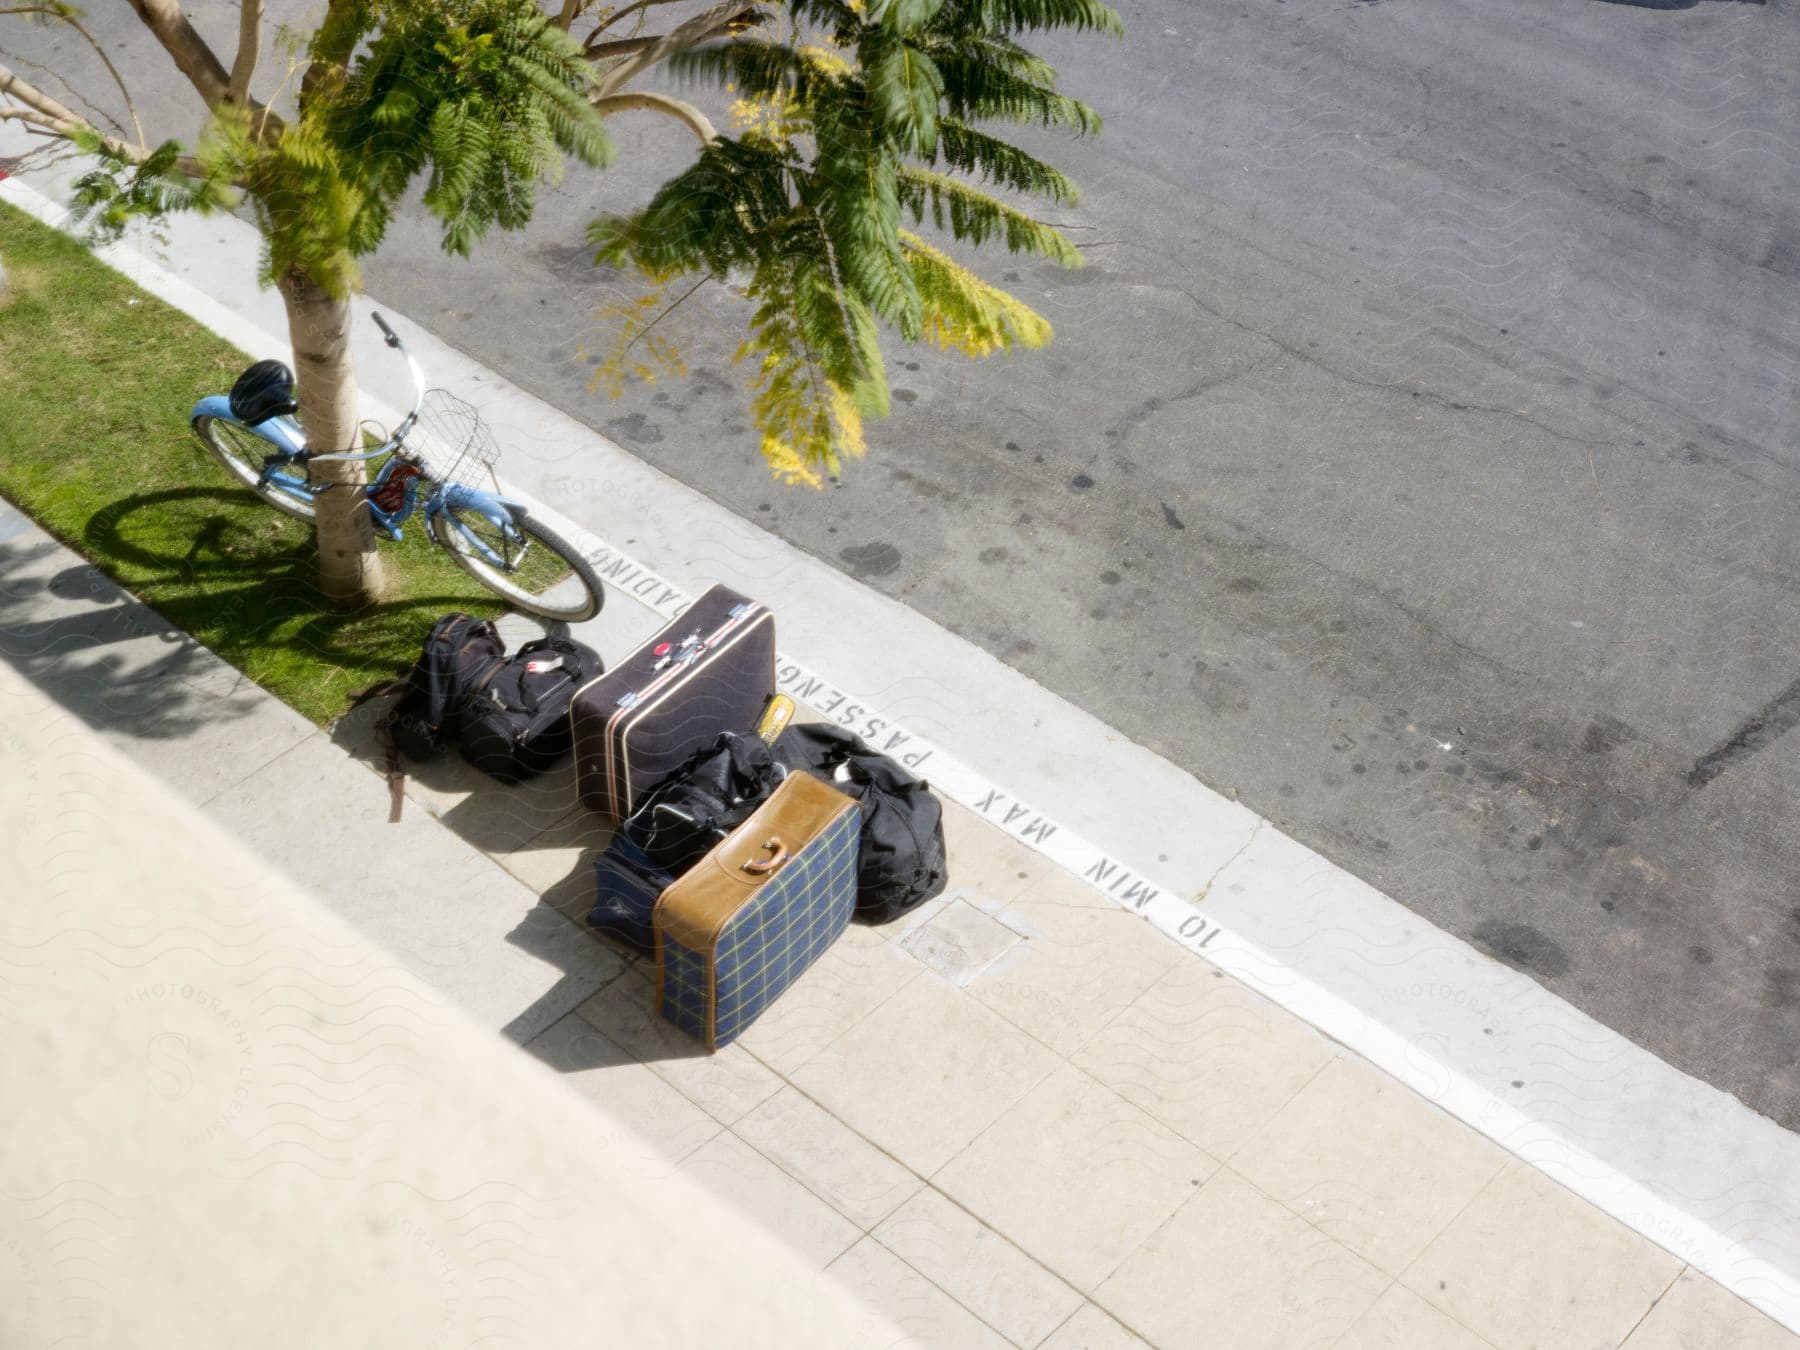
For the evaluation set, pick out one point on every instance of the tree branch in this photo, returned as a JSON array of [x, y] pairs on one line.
[[42, 110], [687, 113], [601, 51], [733, 16], [37, 119], [571, 11], [244, 66], [329, 60], [192, 57], [37, 100], [675, 305], [46, 12], [612, 19], [89, 109]]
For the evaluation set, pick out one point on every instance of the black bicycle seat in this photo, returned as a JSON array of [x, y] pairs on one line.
[[265, 390]]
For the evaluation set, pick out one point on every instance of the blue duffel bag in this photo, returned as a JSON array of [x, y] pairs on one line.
[[626, 886]]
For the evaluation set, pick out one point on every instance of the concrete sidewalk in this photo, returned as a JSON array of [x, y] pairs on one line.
[[1019, 1117], [231, 1120]]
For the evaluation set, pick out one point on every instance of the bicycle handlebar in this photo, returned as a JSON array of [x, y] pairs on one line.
[[406, 423]]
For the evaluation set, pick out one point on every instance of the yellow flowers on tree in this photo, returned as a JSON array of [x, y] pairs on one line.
[[858, 116]]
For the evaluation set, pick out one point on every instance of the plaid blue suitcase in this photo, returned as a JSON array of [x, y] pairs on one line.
[[737, 930]]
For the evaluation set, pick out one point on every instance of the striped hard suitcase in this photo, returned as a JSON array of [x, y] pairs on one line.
[[743, 925], [711, 670]]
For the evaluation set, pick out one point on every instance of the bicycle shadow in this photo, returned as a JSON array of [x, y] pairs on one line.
[[244, 583], [212, 588]]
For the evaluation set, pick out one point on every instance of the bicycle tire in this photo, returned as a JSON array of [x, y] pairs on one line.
[[241, 451], [576, 580]]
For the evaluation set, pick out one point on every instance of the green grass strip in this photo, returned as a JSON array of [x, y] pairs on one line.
[[96, 379]]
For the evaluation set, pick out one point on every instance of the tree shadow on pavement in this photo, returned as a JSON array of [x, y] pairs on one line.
[[243, 583], [101, 654]]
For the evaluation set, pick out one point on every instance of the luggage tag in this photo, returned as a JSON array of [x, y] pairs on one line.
[[537, 666], [775, 718]]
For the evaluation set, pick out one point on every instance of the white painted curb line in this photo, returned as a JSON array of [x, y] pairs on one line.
[[1682, 1163]]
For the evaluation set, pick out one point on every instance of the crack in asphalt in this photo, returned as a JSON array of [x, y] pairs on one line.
[[1775, 719], [1743, 447], [1151, 406], [1426, 395]]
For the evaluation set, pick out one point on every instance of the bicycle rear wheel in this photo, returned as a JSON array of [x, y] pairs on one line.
[[243, 452], [524, 562]]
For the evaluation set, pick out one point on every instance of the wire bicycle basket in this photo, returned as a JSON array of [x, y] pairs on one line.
[[452, 442]]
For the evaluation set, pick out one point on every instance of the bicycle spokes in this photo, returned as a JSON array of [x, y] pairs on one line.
[[499, 543]]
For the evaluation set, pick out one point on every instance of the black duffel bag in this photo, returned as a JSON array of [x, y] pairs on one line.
[[517, 724], [900, 859], [676, 826], [708, 798]]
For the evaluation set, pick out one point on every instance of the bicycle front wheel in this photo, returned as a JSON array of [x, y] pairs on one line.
[[243, 453], [524, 562]]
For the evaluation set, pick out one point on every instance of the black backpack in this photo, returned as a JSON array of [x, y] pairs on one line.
[[461, 654], [516, 724], [900, 856]]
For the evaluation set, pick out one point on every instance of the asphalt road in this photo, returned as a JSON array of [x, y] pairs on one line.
[[1418, 459]]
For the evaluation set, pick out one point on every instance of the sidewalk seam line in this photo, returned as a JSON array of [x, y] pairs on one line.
[[827, 1111], [951, 1200], [857, 1022], [777, 1163], [940, 1288], [206, 803], [1511, 1160], [1654, 1304], [1076, 1312], [1289, 1100]]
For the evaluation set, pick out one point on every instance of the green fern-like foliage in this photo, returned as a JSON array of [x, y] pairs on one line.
[[865, 119], [119, 191], [483, 99]]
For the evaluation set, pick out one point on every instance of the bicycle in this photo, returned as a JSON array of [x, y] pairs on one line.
[[252, 431]]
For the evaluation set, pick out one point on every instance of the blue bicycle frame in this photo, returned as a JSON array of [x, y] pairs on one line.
[[287, 444]]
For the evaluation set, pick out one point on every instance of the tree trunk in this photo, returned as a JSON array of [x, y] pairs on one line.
[[350, 570]]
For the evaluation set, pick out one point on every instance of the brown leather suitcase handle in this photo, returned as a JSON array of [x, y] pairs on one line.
[[763, 866]]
